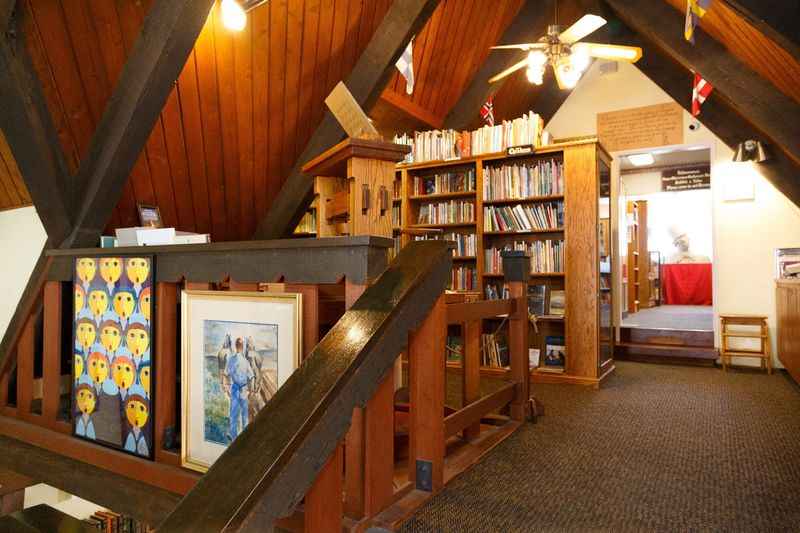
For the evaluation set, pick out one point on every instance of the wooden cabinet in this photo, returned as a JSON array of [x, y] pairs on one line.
[[788, 308]]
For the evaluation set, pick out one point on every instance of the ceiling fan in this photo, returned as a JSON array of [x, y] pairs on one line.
[[565, 54]]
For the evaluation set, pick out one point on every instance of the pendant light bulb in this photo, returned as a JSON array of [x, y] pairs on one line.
[[579, 60], [233, 16], [536, 58], [535, 75]]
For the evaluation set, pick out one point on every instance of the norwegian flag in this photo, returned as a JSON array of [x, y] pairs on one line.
[[700, 92], [487, 111], [406, 66]]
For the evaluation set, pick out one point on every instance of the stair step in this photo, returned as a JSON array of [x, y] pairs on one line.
[[672, 337], [666, 351], [44, 519]]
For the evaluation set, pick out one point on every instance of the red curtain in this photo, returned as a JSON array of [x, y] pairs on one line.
[[687, 284]]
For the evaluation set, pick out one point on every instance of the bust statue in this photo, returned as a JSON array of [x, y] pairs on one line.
[[683, 253]]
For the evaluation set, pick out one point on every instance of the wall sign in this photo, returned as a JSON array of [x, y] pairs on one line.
[[641, 127], [520, 150], [686, 178]]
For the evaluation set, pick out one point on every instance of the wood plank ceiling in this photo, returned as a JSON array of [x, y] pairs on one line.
[[246, 103]]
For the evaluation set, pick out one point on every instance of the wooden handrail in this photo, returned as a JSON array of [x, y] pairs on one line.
[[472, 413], [271, 465], [468, 311]]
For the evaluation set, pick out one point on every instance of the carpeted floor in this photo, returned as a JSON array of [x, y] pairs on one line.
[[659, 448], [672, 317]]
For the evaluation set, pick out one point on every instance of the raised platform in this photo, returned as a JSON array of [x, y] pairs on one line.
[[674, 346]]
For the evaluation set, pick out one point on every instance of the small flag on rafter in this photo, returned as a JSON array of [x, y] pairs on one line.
[[695, 10], [700, 91], [406, 66], [487, 111]]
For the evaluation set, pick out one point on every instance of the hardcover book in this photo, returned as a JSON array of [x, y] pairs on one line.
[[555, 354]]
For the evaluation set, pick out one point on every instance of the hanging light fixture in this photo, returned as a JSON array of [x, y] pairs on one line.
[[234, 12], [750, 150]]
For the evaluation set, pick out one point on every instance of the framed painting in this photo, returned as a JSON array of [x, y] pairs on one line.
[[238, 348], [112, 342], [149, 216]]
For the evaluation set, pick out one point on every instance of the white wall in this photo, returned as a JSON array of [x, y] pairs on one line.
[[21, 239], [746, 233], [58, 499]]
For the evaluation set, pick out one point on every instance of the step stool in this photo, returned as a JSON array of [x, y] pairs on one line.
[[761, 334]]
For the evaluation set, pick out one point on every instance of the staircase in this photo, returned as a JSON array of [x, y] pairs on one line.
[[670, 346]]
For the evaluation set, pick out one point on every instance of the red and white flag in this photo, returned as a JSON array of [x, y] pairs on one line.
[[700, 92], [487, 111]]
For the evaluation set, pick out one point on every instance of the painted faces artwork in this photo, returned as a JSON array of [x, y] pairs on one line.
[[113, 299]]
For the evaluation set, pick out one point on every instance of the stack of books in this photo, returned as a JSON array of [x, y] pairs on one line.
[[109, 522], [547, 216], [444, 183], [452, 212], [407, 140], [523, 180]]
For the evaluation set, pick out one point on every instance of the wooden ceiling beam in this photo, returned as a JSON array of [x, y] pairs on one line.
[[770, 111], [366, 82], [6, 12], [777, 19], [412, 109], [29, 131], [529, 24], [717, 115], [167, 37]]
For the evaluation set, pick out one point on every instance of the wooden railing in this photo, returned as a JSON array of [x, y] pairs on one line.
[[327, 451]]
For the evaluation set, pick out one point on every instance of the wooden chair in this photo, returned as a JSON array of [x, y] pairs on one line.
[[744, 328]]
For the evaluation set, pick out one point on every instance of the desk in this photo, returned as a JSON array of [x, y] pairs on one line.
[[687, 283]]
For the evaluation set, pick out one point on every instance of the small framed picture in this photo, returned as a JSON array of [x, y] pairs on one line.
[[238, 349], [150, 216]]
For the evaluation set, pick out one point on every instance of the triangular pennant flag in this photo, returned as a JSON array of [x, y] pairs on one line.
[[700, 91], [406, 66]]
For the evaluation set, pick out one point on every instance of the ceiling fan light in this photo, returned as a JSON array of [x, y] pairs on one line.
[[579, 60], [569, 75], [233, 15], [536, 58], [535, 75]]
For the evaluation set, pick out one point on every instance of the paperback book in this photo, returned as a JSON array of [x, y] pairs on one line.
[[555, 355]]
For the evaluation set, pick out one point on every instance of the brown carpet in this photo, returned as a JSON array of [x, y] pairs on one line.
[[659, 448]]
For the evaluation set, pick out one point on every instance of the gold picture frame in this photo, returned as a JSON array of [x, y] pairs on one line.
[[259, 335]]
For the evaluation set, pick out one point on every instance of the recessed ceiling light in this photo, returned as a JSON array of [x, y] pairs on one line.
[[641, 160]]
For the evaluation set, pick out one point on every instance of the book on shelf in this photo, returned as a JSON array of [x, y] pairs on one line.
[[537, 295], [546, 256], [497, 292], [307, 224], [450, 212], [455, 348], [555, 355], [396, 220], [466, 243], [523, 180], [397, 188], [494, 351], [533, 357], [464, 278], [557, 303], [539, 217], [443, 183]]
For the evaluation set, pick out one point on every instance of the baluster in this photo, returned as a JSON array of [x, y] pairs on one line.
[[51, 368], [166, 312], [25, 350], [323, 505], [516, 271], [471, 372], [427, 385]]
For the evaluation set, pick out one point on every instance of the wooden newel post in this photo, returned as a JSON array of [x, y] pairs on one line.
[[516, 271]]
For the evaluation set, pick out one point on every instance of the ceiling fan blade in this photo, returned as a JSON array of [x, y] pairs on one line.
[[586, 25], [510, 70], [521, 46], [614, 52]]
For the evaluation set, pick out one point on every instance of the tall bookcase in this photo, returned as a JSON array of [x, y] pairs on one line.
[[638, 257], [586, 324]]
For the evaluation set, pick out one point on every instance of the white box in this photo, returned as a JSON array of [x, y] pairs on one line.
[[145, 236]]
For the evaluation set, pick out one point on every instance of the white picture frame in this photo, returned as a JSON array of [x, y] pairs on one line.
[[269, 326]]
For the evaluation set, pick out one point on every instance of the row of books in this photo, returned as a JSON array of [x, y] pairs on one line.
[[444, 183], [545, 301], [464, 278], [397, 188], [307, 224], [546, 216], [546, 256], [396, 216], [442, 145], [466, 243], [495, 291], [523, 180], [109, 522], [452, 212], [494, 351]]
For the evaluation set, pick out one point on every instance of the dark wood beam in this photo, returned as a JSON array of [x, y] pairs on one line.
[[28, 128], [366, 81], [717, 115], [412, 109], [528, 26], [6, 12], [113, 491], [165, 41], [770, 111], [777, 19]]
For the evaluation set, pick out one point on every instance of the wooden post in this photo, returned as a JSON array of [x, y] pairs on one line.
[[471, 371], [166, 308], [51, 368], [323, 506], [25, 354], [310, 294], [516, 271], [426, 390]]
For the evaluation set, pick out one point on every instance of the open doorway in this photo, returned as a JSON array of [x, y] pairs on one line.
[[667, 253]]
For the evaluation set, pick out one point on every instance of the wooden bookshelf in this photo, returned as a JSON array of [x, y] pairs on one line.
[[638, 260], [583, 164]]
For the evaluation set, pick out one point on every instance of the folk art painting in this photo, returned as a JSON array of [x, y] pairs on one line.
[[112, 341], [238, 349]]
